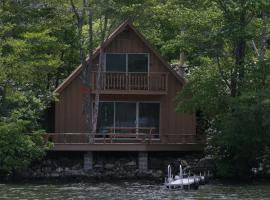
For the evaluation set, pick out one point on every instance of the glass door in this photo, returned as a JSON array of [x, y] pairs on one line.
[[125, 117], [149, 117], [105, 122], [128, 117]]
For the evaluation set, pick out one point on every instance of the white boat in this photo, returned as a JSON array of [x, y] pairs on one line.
[[190, 182]]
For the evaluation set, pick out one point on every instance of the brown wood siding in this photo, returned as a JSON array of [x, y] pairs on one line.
[[68, 110]]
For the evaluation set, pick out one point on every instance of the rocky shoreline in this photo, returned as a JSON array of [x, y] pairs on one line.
[[114, 166]]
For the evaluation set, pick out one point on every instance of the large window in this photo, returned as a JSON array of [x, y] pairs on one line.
[[149, 115], [116, 62], [105, 122], [137, 62], [114, 116], [125, 114], [130, 62]]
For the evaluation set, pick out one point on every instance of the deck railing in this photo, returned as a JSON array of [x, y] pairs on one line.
[[116, 138], [132, 81]]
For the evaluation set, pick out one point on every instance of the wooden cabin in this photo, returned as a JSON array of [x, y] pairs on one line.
[[137, 102]]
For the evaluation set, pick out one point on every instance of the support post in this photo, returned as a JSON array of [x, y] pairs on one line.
[[88, 161], [143, 161]]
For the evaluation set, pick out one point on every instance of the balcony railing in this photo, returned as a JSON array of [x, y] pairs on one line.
[[113, 82], [122, 138]]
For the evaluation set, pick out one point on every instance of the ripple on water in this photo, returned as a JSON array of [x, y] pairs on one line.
[[133, 190]]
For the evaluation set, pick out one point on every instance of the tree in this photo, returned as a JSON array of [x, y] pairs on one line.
[[18, 148], [231, 87], [103, 12], [103, 19], [86, 66], [33, 48]]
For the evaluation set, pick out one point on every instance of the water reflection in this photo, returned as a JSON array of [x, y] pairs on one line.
[[133, 190]]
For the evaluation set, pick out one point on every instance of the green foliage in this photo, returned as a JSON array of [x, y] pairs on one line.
[[37, 50], [243, 135], [17, 148], [230, 84], [204, 91], [226, 45]]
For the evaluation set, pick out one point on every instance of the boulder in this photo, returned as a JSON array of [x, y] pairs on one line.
[[157, 174], [55, 174], [76, 167], [99, 166], [59, 170], [109, 166], [131, 164]]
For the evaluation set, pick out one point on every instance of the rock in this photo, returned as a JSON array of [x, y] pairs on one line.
[[157, 174], [109, 166], [98, 166], [131, 163], [76, 167], [109, 173], [55, 174], [74, 172], [59, 170]]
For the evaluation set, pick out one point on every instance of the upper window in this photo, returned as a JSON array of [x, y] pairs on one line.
[[130, 62], [116, 62], [138, 62]]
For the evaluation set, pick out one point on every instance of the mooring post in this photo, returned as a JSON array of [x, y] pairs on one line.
[[143, 161], [88, 161]]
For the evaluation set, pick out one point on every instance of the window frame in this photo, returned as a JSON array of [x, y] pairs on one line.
[[127, 69], [137, 111]]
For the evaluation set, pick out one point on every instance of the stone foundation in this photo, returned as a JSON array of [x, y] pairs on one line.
[[88, 161], [143, 161], [111, 164]]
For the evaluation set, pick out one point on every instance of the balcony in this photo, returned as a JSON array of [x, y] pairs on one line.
[[155, 83], [144, 140]]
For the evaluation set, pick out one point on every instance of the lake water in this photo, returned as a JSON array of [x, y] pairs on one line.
[[137, 190]]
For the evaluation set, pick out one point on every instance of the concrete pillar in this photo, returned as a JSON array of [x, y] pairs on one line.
[[88, 161], [143, 161]]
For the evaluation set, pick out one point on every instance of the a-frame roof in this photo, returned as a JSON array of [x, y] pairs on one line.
[[111, 37]]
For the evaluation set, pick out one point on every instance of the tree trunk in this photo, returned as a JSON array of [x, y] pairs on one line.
[[87, 100], [240, 54], [98, 88], [86, 67], [2, 99], [98, 81]]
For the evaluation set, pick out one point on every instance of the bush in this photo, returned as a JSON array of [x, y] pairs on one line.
[[241, 136], [18, 148]]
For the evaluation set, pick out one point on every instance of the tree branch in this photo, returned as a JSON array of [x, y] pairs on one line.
[[221, 72], [255, 48], [75, 11]]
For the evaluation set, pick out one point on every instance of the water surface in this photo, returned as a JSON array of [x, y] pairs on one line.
[[137, 190]]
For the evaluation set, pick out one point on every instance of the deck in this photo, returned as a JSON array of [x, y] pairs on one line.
[[124, 142], [151, 83]]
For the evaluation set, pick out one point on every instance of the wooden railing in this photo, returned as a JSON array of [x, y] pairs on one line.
[[184, 138], [75, 138], [116, 138], [121, 81]]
